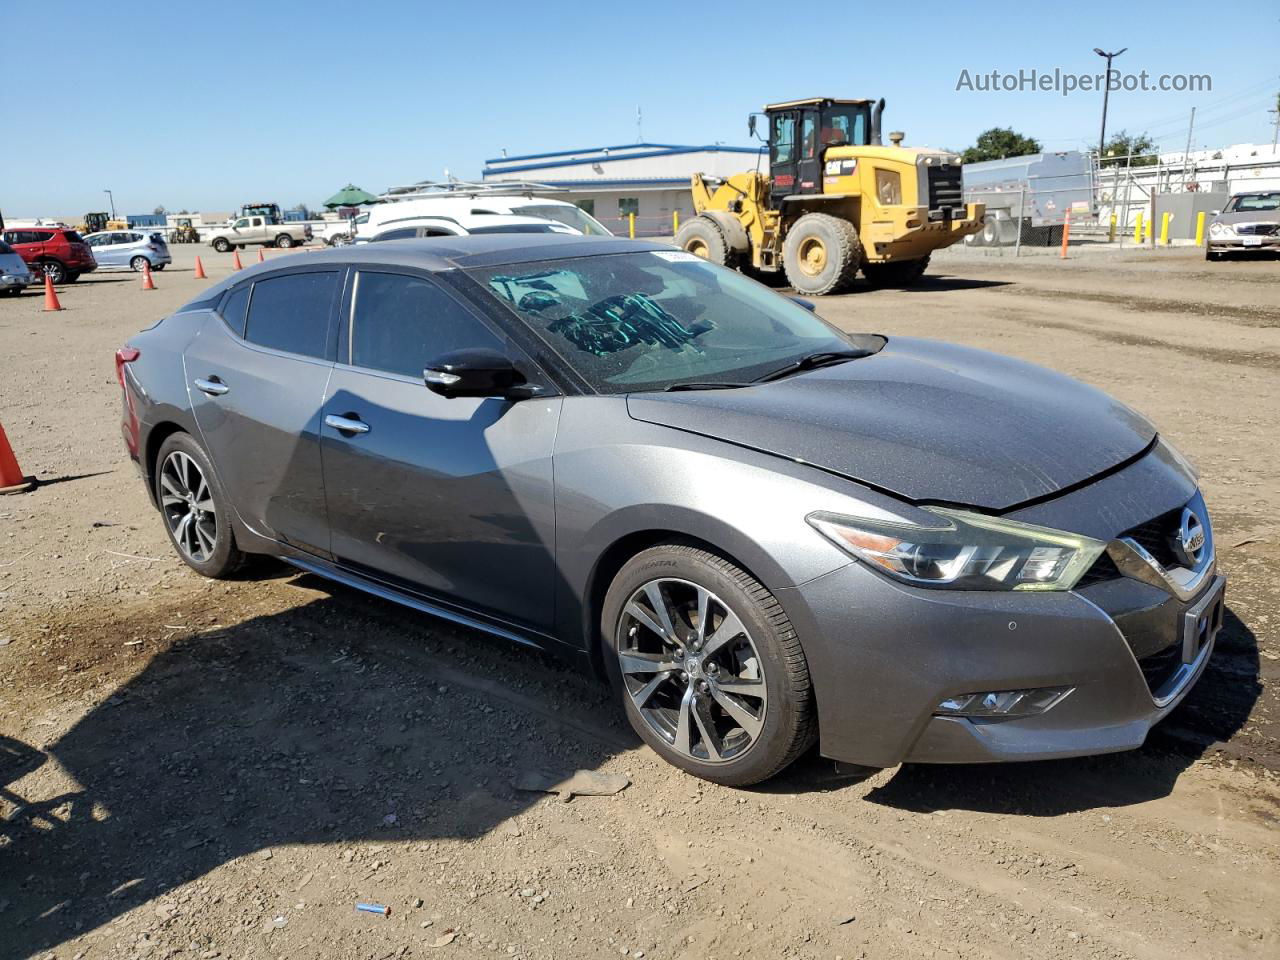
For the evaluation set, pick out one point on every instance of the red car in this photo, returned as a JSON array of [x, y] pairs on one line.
[[59, 253]]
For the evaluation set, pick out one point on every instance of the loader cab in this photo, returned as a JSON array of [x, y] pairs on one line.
[[800, 131]]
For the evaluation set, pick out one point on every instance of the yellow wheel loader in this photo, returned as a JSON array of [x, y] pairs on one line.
[[834, 201]]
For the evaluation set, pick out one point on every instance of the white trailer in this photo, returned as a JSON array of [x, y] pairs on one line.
[[1030, 194]]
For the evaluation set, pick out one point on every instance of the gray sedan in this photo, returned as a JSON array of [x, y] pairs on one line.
[[765, 532], [1249, 223]]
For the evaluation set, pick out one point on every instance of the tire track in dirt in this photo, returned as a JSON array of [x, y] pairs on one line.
[[1263, 318]]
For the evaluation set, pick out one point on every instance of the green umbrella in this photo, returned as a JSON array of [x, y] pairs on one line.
[[350, 196]]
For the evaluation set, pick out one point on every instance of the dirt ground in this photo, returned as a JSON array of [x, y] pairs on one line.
[[192, 769]]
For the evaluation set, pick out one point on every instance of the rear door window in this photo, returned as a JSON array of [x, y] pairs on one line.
[[402, 323], [292, 312], [235, 307]]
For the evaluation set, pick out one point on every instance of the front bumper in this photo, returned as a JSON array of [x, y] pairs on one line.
[[1235, 242], [906, 233], [8, 280], [883, 656]]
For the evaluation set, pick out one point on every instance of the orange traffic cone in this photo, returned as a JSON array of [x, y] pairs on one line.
[[11, 478], [261, 258], [235, 260], [147, 282], [50, 296], [200, 274]]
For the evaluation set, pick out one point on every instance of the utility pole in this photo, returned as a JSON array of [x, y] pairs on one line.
[[1186, 154], [1275, 138], [1106, 94]]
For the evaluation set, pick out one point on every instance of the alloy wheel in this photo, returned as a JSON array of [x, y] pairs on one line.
[[187, 503], [692, 670]]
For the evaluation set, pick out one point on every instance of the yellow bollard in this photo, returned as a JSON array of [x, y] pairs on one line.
[[1164, 229], [675, 222], [1200, 229], [1137, 228], [1111, 233], [631, 225]]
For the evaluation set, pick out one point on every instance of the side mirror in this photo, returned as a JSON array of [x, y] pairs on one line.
[[751, 124], [1214, 213], [478, 372], [801, 301]]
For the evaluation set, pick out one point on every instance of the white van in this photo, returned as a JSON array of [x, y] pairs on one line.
[[464, 208]]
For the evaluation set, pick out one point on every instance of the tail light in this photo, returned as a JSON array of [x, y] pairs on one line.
[[125, 355]]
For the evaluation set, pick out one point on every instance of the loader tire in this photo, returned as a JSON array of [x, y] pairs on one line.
[[899, 273], [703, 237], [821, 254]]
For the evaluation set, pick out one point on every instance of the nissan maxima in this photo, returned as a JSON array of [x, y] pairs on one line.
[[764, 532]]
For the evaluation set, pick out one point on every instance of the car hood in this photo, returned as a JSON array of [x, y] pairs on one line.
[[927, 421], [1249, 216]]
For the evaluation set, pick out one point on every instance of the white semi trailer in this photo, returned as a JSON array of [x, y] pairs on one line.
[[1029, 194]]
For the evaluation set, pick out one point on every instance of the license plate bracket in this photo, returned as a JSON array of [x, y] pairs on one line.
[[1202, 621]]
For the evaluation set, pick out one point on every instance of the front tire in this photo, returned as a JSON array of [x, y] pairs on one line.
[[821, 254], [709, 668], [196, 511], [221, 245], [703, 237]]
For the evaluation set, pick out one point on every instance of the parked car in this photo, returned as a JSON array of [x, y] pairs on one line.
[[244, 231], [1249, 223], [129, 249], [59, 253], [334, 233], [384, 215], [14, 275], [766, 531], [465, 224]]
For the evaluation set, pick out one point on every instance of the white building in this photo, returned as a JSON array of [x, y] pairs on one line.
[[650, 180]]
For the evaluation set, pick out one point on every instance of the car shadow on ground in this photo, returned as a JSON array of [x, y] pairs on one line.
[[316, 725]]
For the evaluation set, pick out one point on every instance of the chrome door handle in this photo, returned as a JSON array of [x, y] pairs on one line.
[[346, 424], [213, 387]]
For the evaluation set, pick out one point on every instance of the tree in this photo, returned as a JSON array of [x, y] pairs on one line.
[[998, 143], [1124, 144], [160, 211]]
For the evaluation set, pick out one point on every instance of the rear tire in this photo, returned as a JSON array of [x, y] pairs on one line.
[[137, 263], [703, 237], [284, 241], [821, 254], [54, 270], [900, 273], [696, 722], [195, 510]]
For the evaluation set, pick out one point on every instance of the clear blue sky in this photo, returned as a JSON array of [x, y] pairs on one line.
[[212, 105]]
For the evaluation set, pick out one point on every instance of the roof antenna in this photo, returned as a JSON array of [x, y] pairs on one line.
[[639, 125]]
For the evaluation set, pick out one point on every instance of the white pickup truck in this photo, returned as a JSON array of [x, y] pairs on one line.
[[243, 231]]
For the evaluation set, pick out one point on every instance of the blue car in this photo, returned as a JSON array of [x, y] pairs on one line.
[[119, 249]]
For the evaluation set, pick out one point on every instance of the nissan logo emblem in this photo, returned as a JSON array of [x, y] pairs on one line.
[[1191, 537]]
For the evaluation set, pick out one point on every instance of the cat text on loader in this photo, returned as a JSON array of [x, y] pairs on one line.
[[834, 201]]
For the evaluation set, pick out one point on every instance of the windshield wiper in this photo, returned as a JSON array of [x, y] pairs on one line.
[[704, 385], [825, 358]]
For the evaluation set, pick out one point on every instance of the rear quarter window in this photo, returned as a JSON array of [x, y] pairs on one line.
[[234, 309], [72, 237], [292, 312]]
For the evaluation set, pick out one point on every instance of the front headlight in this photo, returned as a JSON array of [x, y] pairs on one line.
[[888, 187], [1218, 229], [965, 551]]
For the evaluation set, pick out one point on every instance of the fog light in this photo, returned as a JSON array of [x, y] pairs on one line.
[[1002, 703]]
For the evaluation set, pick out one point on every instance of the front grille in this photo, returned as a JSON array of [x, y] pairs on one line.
[[1258, 229], [946, 188], [1157, 537], [1159, 667], [1103, 569]]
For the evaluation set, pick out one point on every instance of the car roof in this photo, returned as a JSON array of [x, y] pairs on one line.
[[470, 220], [476, 250]]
